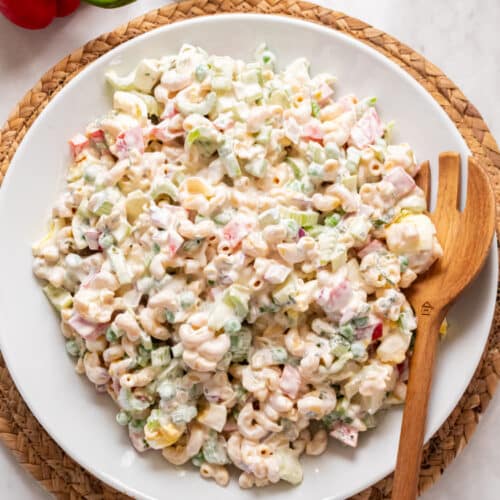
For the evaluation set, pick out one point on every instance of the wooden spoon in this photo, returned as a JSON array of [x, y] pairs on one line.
[[466, 238]]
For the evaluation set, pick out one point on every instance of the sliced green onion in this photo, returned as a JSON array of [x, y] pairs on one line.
[[161, 356]]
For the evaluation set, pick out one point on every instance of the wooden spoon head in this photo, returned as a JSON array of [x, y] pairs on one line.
[[464, 236]]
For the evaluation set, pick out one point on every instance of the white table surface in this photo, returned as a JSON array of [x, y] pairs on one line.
[[459, 36]]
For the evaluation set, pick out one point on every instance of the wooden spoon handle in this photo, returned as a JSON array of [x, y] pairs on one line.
[[405, 485]]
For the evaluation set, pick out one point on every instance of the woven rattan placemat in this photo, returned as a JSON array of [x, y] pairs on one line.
[[20, 431]]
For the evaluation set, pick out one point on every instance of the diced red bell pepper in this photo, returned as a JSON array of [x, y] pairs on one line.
[[377, 331], [130, 139], [77, 144], [236, 230], [313, 131]]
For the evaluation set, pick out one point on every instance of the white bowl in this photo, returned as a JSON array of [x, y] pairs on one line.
[[82, 421]]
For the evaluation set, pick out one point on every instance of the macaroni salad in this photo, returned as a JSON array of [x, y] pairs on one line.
[[228, 258]]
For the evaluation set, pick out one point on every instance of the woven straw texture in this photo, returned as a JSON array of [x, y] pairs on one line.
[[20, 431]]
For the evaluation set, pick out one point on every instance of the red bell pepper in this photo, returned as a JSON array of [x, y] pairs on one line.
[[37, 14]]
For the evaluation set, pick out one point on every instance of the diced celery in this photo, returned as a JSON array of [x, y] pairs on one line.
[[315, 170], [183, 414], [231, 165], [187, 299], [232, 325], [222, 65], [257, 167], [279, 97], [294, 185], [78, 228], [143, 356], [269, 216], [121, 232], [112, 335], [221, 83], [285, 294], [224, 217], [354, 155], [347, 332], [219, 315], [341, 362], [240, 344], [315, 152], [146, 75], [119, 265], [359, 228], [150, 102], [134, 204], [59, 297], [279, 355], [169, 316], [205, 139], [177, 350], [251, 75], [292, 228], [290, 469], [128, 402], [307, 187], [164, 185], [332, 150], [358, 350], [214, 449], [102, 205], [83, 210], [298, 166], [351, 182], [224, 363], [305, 218], [167, 390], [75, 172], [160, 356], [237, 297], [264, 135], [338, 257], [240, 111]]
